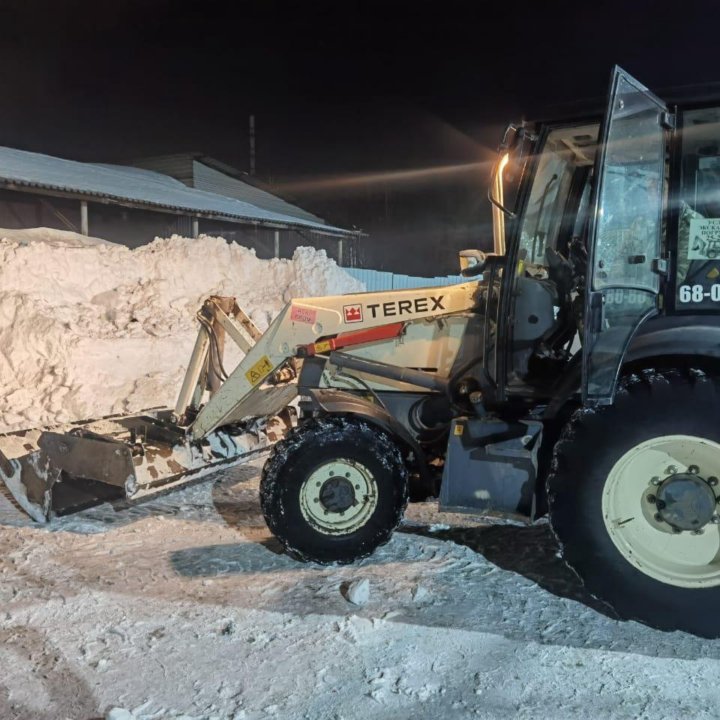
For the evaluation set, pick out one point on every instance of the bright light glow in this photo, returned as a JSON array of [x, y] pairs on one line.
[[383, 178], [498, 215], [503, 163]]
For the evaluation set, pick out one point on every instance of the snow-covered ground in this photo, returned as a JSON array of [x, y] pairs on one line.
[[184, 607]]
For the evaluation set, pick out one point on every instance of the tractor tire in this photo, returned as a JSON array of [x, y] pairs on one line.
[[633, 493], [334, 490]]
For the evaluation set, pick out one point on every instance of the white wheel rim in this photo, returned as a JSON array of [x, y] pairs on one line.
[[684, 559], [348, 476]]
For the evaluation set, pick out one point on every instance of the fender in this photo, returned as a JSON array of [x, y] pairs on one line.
[[691, 336], [340, 402]]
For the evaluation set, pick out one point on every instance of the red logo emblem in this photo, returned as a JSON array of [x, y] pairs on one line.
[[353, 313]]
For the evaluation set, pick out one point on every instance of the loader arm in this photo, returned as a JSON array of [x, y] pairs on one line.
[[133, 457], [304, 322]]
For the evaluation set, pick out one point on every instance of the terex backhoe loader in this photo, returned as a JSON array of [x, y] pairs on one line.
[[579, 376]]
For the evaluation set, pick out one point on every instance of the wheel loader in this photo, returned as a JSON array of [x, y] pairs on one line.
[[575, 374]]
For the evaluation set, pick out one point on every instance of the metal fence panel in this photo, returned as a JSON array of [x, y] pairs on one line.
[[380, 280]]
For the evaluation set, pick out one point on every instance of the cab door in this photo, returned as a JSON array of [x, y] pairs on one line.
[[624, 245]]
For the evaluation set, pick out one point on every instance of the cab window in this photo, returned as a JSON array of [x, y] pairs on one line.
[[698, 248], [551, 263], [566, 152]]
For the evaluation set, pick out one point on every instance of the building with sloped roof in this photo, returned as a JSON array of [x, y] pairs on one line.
[[133, 205], [203, 172]]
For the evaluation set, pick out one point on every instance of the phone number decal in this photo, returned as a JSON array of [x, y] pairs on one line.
[[625, 296], [697, 293]]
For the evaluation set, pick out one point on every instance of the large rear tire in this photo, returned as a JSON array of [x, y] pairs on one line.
[[633, 494], [334, 490]]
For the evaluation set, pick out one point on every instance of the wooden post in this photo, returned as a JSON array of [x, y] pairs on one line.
[[277, 243], [195, 227], [84, 229]]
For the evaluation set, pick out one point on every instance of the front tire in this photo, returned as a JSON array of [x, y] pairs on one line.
[[633, 495], [334, 490]]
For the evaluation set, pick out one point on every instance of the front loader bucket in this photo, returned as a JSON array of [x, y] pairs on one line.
[[125, 457]]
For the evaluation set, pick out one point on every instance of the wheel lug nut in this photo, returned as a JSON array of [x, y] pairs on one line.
[[655, 480], [693, 469], [712, 480], [677, 531], [658, 517], [660, 504], [651, 499], [672, 470], [699, 531], [715, 519]]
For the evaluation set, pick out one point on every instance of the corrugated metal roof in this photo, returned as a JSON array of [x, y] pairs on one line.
[[203, 172], [210, 179], [178, 165], [138, 187]]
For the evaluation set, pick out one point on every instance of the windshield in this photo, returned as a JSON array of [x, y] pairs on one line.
[[563, 168]]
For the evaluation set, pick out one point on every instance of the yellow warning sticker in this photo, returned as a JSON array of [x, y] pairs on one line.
[[458, 430], [259, 371], [323, 347]]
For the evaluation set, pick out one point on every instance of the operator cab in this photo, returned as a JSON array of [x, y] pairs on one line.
[[603, 231], [577, 231], [539, 321], [549, 269]]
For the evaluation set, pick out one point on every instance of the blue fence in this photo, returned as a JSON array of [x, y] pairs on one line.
[[380, 280]]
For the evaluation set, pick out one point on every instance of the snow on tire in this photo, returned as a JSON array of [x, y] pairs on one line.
[[334, 489]]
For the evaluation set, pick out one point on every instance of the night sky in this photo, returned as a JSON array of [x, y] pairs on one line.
[[336, 87], [346, 90]]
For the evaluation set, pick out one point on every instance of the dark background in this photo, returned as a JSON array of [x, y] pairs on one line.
[[356, 103]]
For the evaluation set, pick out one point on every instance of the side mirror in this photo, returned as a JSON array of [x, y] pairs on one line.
[[472, 262]]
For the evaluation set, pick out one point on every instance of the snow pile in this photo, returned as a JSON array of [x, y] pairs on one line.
[[89, 328]]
